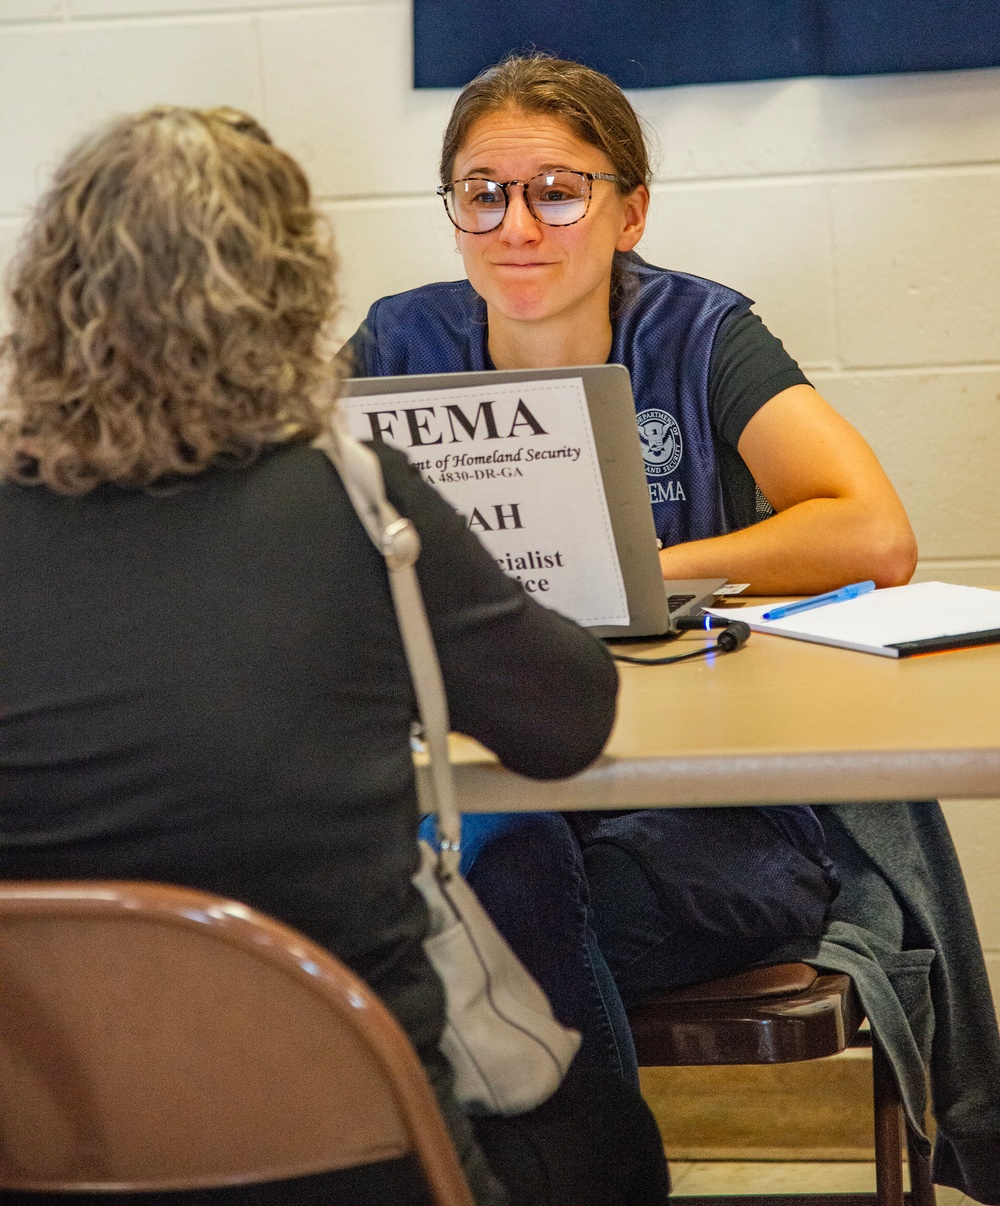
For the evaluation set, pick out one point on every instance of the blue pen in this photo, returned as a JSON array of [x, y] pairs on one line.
[[833, 596]]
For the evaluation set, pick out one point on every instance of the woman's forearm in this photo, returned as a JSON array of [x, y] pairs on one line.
[[816, 545]]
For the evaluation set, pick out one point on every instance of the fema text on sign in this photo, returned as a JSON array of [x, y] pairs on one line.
[[426, 425]]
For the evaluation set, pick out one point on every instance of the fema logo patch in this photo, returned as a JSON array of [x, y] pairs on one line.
[[660, 437]]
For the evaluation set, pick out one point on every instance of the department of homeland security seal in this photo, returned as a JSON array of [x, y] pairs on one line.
[[660, 437]]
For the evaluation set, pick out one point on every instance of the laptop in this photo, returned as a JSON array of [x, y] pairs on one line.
[[652, 603]]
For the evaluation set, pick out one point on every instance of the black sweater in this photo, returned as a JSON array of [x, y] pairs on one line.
[[206, 686]]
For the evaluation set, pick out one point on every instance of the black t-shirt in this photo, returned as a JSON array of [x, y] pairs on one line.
[[748, 367]]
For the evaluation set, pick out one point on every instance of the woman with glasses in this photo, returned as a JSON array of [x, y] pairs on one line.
[[546, 182], [545, 178]]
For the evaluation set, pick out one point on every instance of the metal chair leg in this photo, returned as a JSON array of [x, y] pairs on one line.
[[888, 1144]]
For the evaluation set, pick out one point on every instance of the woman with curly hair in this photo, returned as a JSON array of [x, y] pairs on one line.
[[203, 678]]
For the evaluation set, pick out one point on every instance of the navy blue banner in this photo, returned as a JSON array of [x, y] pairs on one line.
[[658, 43]]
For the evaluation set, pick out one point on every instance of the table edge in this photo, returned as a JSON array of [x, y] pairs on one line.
[[663, 782]]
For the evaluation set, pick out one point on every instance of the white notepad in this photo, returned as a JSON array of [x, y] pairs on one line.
[[896, 622]]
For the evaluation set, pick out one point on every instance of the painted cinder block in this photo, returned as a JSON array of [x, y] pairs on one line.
[[57, 82], [10, 230], [938, 436], [975, 829], [777, 127], [768, 239], [993, 971], [389, 247], [917, 259], [30, 10], [339, 97], [148, 8], [814, 1110], [921, 119], [734, 130], [983, 571]]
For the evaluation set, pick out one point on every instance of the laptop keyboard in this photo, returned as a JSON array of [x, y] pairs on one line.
[[676, 601]]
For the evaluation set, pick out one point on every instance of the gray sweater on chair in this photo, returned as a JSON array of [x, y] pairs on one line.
[[902, 928]]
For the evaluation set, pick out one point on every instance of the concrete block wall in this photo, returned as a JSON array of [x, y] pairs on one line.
[[975, 828], [863, 215]]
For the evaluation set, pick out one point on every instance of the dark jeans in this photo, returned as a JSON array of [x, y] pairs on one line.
[[608, 909], [527, 871], [593, 1143]]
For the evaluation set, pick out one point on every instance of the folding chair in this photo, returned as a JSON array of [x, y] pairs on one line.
[[158, 1038]]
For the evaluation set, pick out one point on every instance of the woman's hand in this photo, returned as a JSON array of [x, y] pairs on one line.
[[837, 520]]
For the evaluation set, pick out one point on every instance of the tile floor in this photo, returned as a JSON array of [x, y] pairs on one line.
[[722, 1177]]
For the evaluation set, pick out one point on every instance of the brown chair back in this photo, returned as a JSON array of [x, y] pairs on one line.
[[158, 1038], [781, 1014]]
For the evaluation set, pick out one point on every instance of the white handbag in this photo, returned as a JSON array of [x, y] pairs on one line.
[[507, 1051]]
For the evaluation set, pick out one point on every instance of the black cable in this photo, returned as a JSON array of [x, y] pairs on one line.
[[734, 636], [662, 661], [699, 623]]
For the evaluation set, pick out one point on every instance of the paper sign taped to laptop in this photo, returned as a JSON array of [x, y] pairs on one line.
[[518, 462]]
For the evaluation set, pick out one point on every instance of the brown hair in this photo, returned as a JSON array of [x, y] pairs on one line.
[[591, 104], [168, 307]]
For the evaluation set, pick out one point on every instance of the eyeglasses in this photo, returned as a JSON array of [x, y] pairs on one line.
[[477, 206]]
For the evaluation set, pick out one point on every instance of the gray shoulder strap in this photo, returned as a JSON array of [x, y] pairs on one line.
[[396, 539]]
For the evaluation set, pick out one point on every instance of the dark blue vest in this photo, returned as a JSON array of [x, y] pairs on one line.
[[664, 329]]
